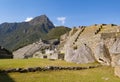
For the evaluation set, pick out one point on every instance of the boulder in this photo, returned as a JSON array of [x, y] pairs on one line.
[[49, 68], [101, 54], [18, 69], [81, 55], [29, 50], [31, 69], [115, 53], [23, 71]]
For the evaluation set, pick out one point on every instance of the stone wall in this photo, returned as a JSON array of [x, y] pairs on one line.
[[98, 40], [48, 68]]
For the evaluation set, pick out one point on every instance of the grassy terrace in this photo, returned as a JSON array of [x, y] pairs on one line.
[[100, 74], [35, 62]]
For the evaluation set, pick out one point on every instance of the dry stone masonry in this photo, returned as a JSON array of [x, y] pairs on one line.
[[94, 43], [47, 68]]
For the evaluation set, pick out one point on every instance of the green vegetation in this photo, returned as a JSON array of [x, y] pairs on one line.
[[57, 32], [100, 74], [16, 35], [15, 63]]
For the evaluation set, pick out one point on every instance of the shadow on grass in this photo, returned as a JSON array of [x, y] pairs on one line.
[[4, 77]]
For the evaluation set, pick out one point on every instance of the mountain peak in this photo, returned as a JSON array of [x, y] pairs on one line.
[[15, 35], [40, 20]]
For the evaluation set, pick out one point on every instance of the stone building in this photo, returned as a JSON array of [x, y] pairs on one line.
[[49, 54]]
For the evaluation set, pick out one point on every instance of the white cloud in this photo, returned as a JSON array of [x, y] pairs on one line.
[[55, 25], [28, 19], [61, 19]]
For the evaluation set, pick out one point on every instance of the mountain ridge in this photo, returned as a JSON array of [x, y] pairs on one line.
[[16, 35]]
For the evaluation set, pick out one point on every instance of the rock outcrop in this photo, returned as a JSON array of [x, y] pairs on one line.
[[101, 53], [5, 54], [40, 49], [81, 55], [29, 50], [92, 43], [115, 53]]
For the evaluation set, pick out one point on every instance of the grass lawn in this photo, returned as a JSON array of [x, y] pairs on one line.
[[24, 63], [100, 74]]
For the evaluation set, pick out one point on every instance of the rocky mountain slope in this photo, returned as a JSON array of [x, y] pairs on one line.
[[15, 35], [88, 44]]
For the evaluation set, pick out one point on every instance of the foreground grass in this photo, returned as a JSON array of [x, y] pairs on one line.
[[101, 74], [24, 63]]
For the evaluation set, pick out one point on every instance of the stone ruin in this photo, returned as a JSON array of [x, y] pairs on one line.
[[47, 68], [97, 43], [91, 44]]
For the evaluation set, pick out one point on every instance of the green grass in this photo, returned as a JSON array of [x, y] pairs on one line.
[[100, 74], [24, 63]]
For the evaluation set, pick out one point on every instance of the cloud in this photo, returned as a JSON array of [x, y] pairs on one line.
[[55, 25], [28, 19], [61, 19]]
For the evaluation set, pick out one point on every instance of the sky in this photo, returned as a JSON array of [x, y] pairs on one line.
[[62, 12]]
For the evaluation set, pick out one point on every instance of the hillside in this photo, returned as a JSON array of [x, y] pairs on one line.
[[16, 35], [57, 32]]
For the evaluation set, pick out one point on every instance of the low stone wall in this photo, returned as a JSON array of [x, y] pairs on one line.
[[48, 68]]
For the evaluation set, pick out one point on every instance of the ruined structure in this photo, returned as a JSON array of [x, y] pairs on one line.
[[40, 49], [85, 44], [92, 43]]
